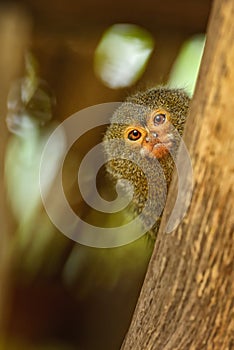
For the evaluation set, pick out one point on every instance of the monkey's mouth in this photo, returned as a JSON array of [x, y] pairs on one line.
[[157, 148], [159, 144], [161, 149]]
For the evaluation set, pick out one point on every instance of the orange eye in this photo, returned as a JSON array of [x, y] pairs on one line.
[[134, 135], [159, 118]]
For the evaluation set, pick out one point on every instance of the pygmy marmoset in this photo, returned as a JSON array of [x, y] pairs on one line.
[[148, 127]]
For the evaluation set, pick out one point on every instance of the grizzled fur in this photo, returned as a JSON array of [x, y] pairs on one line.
[[134, 112]]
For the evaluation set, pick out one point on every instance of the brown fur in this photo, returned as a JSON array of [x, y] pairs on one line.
[[134, 112]]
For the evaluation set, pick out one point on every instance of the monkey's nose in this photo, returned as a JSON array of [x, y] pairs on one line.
[[153, 135]]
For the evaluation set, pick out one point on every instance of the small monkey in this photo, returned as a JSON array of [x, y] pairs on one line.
[[149, 126]]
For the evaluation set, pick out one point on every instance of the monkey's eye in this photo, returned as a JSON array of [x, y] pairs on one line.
[[134, 135], [159, 118]]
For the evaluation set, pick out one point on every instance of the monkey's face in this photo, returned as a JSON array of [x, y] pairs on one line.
[[154, 137], [149, 130]]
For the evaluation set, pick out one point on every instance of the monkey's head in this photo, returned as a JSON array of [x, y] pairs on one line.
[[148, 126]]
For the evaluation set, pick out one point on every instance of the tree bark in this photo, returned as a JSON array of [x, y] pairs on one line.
[[187, 300]]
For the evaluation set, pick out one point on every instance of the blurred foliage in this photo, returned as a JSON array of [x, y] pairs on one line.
[[122, 55], [30, 101], [120, 59], [126, 48], [29, 119], [110, 264], [186, 67]]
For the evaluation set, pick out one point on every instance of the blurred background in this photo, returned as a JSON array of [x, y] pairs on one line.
[[58, 57]]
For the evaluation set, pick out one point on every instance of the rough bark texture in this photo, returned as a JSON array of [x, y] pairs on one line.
[[187, 300]]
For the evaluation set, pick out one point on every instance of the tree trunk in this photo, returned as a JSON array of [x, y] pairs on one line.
[[187, 298]]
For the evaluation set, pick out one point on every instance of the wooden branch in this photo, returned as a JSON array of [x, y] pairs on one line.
[[187, 300]]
